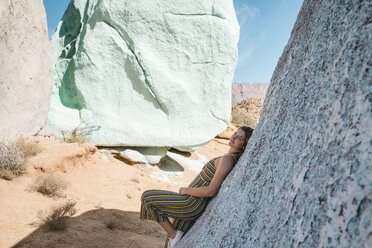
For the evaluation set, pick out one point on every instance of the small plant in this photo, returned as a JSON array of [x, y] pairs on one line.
[[111, 224], [13, 157], [56, 220], [27, 148], [12, 161], [49, 185], [78, 134]]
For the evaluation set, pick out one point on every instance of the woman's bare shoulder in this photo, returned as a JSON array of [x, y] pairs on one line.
[[234, 156], [227, 158]]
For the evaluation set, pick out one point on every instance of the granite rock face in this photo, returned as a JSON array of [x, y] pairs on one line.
[[25, 68], [305, 177], [241, 91], [144, 73]]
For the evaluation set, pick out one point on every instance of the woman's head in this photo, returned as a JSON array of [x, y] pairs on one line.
[[240, 138], [248, 133]]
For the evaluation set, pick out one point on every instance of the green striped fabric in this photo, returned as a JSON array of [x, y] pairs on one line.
[[158, 205]]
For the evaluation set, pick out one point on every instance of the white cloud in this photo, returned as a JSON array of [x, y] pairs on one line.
[[247, 45], [246, 14], [249, 41]]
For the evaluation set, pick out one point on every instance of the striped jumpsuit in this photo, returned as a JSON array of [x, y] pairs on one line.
[[184, 209]]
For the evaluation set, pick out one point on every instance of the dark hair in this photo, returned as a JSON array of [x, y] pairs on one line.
[[248, 133]]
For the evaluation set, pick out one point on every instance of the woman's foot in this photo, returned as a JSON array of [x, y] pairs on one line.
[[174, 241]]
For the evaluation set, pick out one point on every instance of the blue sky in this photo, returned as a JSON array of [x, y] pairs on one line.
[[265, 27]]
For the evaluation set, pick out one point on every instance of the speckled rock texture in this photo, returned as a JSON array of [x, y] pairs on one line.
[[145, 73], [305, 177], [25, 68]]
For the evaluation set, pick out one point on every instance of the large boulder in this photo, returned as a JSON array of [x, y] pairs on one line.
[[305, 177], [25, 68], [144, 73]]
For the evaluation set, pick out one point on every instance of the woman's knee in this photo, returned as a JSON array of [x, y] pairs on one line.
[[145, 194]]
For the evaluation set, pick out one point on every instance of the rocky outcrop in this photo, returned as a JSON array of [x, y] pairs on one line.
[[247, 112], [305, 177], [25, 68], [241, 91], [144, 73]]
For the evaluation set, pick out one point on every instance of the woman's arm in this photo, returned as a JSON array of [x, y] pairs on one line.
[[199, 192], [225, 165]]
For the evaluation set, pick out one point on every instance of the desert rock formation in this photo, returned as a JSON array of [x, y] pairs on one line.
[[241, 91], [25, 68], [144, 73], [305, 177], [247, 112]]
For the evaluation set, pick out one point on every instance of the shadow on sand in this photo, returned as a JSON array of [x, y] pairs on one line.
[[99, 228]]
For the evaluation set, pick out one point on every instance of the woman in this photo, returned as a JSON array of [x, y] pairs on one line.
[[187, 205]]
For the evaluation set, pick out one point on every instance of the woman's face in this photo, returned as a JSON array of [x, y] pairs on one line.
[[237, 139]]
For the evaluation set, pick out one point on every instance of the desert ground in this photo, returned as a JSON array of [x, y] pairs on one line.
[[106, 192]]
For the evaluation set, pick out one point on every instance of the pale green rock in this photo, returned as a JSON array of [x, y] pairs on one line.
[[134, 156], [153, 155], [144, 155], [168, 164], [145, 73], [193, 165]]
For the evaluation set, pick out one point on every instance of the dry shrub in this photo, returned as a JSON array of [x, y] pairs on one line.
[[56, 219], [72, 136], [78, 134], [27, 148], [49, 185], [13, 156], [12, 161], [6, 174]]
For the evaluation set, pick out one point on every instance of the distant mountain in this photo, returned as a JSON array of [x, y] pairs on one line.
[[241, 91]]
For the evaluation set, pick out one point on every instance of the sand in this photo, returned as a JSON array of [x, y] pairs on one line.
[[107, 193]]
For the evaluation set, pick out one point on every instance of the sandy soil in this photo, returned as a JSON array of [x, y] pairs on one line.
[[107, 192]]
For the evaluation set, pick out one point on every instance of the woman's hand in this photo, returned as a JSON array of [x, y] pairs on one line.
[[183, 191]]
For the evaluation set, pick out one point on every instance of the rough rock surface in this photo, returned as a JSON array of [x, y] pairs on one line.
[[133, 156], [25, 68], [145, 73], [305, 177], [241, 91]]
